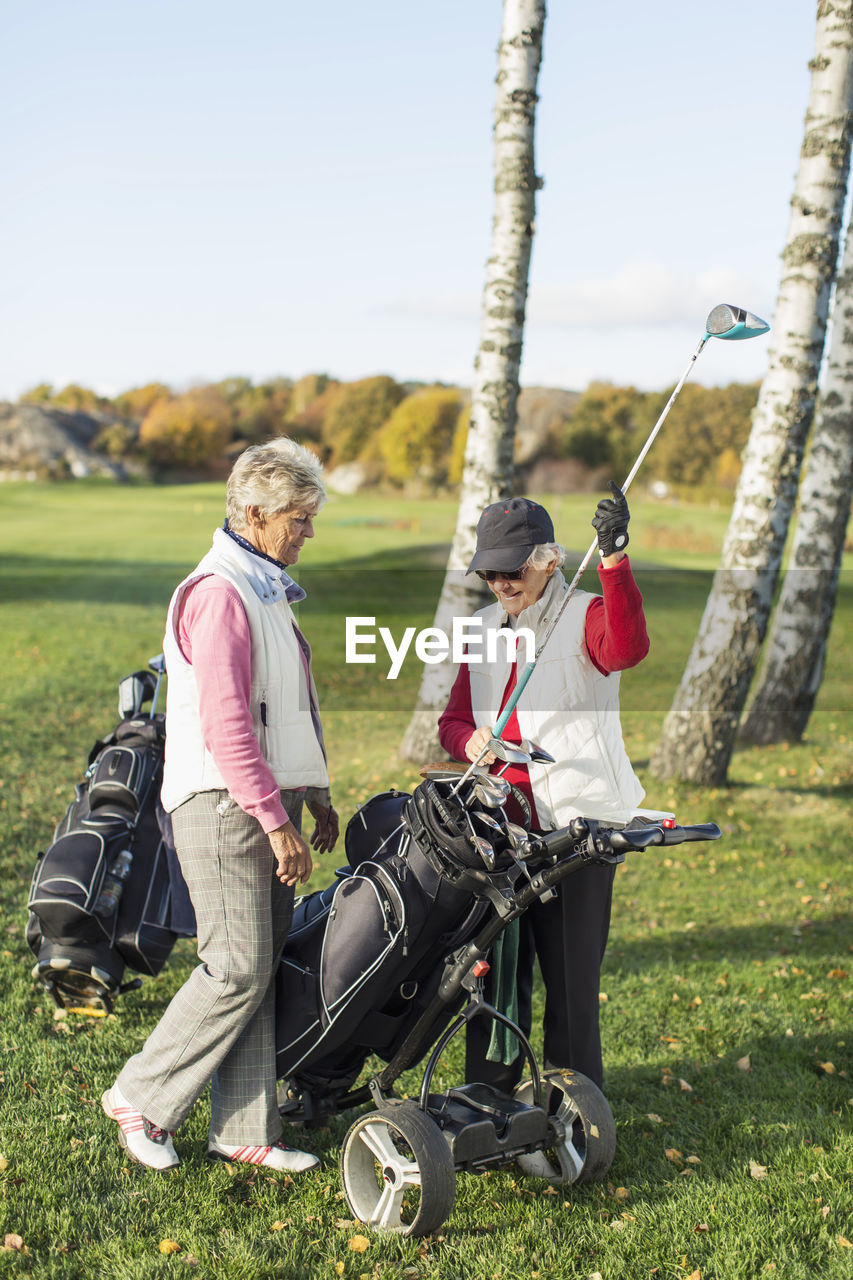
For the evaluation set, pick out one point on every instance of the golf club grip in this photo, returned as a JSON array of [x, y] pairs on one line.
[[520, 684]]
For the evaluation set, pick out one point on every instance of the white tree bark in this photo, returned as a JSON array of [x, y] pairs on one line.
[[488, 470], [796, 646], [699, 731]]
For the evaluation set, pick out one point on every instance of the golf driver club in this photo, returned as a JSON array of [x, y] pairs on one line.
[[725, 321]]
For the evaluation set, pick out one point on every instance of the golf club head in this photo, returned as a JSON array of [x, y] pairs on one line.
[[734, 323], [538, 755], [487, 796], [133, 691], [493, 782], [485, 851], [488, 821], [511, 755], [518, 838]]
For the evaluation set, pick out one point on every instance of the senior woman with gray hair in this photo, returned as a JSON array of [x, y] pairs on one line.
[[244, 752], [570, 708]]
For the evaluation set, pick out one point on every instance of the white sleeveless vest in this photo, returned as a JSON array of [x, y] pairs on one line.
[[279, 698], [569, 708]]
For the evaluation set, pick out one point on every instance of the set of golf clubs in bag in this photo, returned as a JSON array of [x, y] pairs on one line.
[[386, 963]]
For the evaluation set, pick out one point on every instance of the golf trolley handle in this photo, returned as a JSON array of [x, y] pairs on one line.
[[642, 837]]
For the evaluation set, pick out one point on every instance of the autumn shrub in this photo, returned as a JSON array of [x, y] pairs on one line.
[[307, 418], [137, 402], [356, 415], [191, 430], [416, 442], [259, 411]]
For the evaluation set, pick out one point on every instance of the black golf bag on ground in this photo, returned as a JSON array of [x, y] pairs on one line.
[[389, 961], [108, 892]]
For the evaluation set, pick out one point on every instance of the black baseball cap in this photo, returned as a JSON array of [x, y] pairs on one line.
[[508, 531]]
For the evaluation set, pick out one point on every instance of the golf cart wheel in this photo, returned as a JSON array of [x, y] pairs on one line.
[[585, 1151], [397, 1170]]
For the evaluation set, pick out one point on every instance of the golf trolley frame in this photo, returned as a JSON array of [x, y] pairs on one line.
[[399, 1162]]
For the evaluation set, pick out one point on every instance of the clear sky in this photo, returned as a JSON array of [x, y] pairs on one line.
[[198, 188]]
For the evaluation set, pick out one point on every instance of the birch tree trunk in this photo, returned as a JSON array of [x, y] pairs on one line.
[[488, 469], [798, 637], [699, 731]]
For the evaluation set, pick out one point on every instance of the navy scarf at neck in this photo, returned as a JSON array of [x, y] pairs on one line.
[[248, 546]]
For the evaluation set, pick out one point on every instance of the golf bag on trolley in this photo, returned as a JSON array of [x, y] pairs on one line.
[[362, 958], [108, 894]]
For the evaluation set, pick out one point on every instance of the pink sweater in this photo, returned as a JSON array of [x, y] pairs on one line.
[[213, 634]]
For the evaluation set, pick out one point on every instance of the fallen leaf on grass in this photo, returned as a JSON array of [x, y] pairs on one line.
[[169, 1246], [12, 1243], [340, 1268], [622, 1193], [693, 1160], [700, 1227], [695, 1275], [742, 1064], [828, 1067], [845, 1243], [837, 973], [358, 1244], [344, 1224], [4, 1164], [596, 1275], [825, 1211], [757, 1171], [685, 1087], [655, 1119], [674, 1155], [278, 1225]]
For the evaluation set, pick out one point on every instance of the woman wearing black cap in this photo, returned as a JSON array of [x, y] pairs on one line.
[[570, 708]]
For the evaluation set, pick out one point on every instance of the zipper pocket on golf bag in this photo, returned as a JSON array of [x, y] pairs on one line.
[[121, 775], [69, 879]]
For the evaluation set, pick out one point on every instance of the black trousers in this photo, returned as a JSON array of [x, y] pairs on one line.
[[568, 936]]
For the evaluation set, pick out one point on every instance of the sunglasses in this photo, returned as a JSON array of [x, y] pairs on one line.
[[514, 575]]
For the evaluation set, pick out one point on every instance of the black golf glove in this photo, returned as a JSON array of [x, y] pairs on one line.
[[611, 522]]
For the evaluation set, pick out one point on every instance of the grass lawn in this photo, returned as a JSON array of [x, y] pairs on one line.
[[727, 982]]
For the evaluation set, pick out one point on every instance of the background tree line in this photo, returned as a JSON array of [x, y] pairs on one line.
[[413, 436]]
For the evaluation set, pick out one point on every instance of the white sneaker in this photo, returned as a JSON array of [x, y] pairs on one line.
[[281, 1158], [144, 1142]]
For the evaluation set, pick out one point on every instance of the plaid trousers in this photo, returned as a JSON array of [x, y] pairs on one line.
[[220, 1026]]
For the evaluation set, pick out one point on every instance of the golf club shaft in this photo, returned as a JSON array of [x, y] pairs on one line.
[[529, 667]]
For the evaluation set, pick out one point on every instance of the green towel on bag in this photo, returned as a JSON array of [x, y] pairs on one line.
[[503, 1045]]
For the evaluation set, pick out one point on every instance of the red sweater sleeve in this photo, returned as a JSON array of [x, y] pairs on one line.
[[456, 723], [615, 633]]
